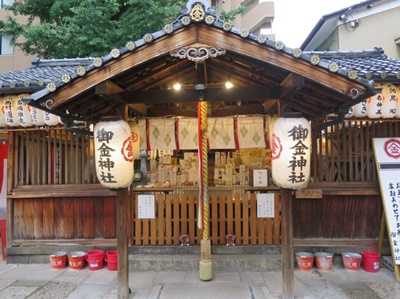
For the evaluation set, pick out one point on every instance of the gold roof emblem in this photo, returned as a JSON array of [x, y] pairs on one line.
[[197, 13]]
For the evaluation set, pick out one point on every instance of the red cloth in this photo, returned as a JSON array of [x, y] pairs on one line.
[[3, 155]]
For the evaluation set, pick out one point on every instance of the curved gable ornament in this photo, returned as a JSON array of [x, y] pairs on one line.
[[197, 55]]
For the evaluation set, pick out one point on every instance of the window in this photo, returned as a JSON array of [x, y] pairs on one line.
[[5, 45], [6, 2]]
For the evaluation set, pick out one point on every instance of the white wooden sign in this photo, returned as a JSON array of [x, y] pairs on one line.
[[146, 206], [265, 205], [387, 157]]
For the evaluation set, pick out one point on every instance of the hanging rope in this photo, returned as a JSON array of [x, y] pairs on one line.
[[204, 169]]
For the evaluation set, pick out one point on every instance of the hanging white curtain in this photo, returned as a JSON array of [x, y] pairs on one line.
[[187, 133], [250, 132], [162, 134], [221, 133]]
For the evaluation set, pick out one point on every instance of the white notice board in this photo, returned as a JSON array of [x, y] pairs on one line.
[[387, 157], [146, 206], [265, 205]]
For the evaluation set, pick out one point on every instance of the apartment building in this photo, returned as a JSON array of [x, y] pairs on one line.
[[257, 18], [11, 58]]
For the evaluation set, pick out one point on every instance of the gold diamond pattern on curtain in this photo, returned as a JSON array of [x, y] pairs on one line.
[[221, 133], [250, 131], [187, 134], [162, 134]]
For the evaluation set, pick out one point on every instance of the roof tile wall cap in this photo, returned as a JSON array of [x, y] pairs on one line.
[[39, 62]]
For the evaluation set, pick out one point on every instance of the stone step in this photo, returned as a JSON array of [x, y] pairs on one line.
[[190, 262], [258, 258]]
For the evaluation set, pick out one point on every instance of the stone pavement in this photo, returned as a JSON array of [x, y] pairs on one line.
[[41, 281]]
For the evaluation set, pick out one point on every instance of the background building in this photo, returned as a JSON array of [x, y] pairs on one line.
[[366, 25], [257, 18], [11, 58]]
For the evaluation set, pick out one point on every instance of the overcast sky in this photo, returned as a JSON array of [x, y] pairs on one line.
[[294, 19]]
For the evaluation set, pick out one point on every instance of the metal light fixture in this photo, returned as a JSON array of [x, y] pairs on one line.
[[177, 86], [228, 84], [291, 151], [113, 153]]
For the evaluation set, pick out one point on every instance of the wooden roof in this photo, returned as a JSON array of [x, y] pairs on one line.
[[202, 52]]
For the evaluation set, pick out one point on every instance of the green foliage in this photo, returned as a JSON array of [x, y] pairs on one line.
[[72, 28], [231, 15], [87, 28]]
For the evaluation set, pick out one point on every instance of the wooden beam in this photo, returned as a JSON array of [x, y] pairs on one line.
[[122, 209], [309, 193], [210, 95], [223, 112], [287, 244], [110, 90], [291, 85], [269, 105], [140, 108]]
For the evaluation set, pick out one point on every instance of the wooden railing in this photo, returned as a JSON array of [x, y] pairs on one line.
[[233, 218]]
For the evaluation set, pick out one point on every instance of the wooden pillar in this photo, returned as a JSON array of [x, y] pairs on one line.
[[287, 244], [122, 243]]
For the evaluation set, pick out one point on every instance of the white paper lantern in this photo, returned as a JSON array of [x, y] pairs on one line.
[[360, 110], [389, 106], [3, 122], [374, 104], [37, 116], [135, 133], [398, 102], [11, 110], [350, 113], [113, 153], [51, 119], [291, 145], [24, 112]]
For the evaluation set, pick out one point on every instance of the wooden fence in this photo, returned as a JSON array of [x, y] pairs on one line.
[[344, 151], [231, 214]]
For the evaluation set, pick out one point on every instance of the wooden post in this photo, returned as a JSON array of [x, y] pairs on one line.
[[287, 244], [122, 243]]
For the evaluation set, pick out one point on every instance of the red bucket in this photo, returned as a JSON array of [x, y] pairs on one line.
[[351, 261], [324, 261], [95, 259], [112, 260], [58, 259], [76, 260], [371, 260], [305, 260]]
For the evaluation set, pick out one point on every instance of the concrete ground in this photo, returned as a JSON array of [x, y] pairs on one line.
[[41, 281]]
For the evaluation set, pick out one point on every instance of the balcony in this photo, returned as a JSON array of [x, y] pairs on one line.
[[259, 15]]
